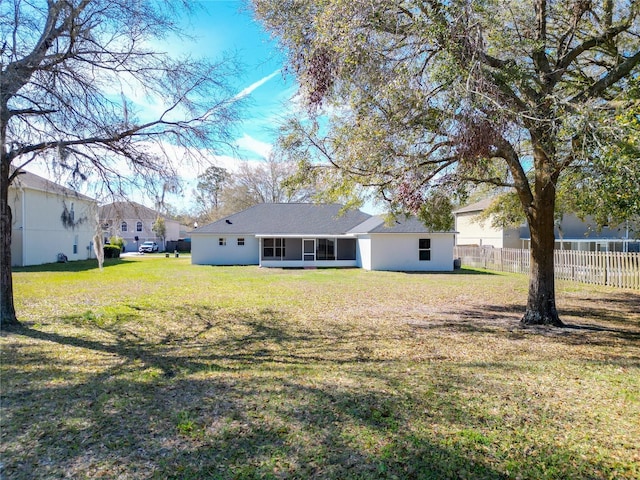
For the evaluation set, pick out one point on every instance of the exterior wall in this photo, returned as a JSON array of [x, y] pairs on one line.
[[373, 252], [38, 232], [573, 227], [205, 250], [399, 252], [363, 252], [472, 232]]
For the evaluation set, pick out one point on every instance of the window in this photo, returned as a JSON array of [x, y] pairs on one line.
[[325, 249], [241, 242], [424, 249], [123, 227], [139, 227], [75, 244], [222, 241], [273, 248]]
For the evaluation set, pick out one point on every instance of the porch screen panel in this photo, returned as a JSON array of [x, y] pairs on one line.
[[293, 250], [346, 249], [274, 248], [325, 249]]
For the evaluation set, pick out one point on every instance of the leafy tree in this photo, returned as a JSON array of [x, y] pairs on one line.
[[222, 192], [159, 227], [424, 96], [210, 183], [67, 67]]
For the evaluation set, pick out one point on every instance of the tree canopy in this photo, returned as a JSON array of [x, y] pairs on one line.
[[75, 76], [425, 97]]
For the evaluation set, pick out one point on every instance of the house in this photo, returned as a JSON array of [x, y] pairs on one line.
[[134, 223], [49, 219], [472, 231], [571, 233], [320, 235]]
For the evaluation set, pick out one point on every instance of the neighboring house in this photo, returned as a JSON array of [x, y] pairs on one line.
[[134, 223], [571, 233], [471, 231], [49, 219], [313, 235]]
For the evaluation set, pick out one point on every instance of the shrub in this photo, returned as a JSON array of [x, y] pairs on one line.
[[118, 242], [112, 251]]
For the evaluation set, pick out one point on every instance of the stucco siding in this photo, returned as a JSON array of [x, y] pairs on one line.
[[400, 252], [206, 250], [364, 252]]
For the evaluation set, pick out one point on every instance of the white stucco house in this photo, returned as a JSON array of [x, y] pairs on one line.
[[571, 233], [49, 219], [130, 220], [300, 235]]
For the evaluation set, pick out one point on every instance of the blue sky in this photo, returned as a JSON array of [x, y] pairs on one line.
[[226, 27]]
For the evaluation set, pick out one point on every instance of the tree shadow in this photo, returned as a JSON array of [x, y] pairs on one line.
[[186, 406], [459, 271], [604, 324], [74, 266]]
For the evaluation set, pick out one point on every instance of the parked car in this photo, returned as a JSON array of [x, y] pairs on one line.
[[148, 247]]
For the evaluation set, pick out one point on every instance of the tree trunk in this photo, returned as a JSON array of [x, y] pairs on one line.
[[8, 317], [541, 302]]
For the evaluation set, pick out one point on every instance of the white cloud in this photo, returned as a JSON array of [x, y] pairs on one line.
[[246, 142], [247, 91]]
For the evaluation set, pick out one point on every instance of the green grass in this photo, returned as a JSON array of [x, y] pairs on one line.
[[155, 369]]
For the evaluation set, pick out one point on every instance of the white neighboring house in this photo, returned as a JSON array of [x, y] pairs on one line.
[[571, 233], [471, 231], [318, 235], [130, 220], [49, 219]]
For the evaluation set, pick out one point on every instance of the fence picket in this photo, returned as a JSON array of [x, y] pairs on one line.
[[616, 269]]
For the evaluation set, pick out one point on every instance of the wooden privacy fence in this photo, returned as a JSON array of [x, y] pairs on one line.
[[615, 269]]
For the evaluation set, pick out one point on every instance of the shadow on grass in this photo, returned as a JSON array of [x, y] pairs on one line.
[[601, 323], [238, 418], [75, 266], [459, 271]]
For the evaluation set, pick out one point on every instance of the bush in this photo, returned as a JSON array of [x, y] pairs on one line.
[[111, 251], [117, 241]]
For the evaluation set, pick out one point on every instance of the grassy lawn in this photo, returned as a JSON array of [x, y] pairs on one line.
[[156, 369]]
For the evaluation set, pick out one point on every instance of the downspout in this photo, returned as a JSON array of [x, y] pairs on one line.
[[24, 229]]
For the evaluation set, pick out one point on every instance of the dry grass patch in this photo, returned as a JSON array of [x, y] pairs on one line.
[[155, 368]]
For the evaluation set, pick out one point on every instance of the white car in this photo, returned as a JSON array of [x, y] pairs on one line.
[[148, 247]]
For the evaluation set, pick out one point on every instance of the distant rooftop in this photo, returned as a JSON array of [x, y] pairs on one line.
[[32, 181]]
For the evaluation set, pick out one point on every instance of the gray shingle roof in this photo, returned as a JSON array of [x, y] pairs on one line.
[[399, 225], [287, 219], [307, 219], [402, 225]]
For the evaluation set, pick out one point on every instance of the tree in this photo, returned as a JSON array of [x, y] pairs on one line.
[[69, 72], [159, 227], [210, 183], [222, 192], [424, 96]]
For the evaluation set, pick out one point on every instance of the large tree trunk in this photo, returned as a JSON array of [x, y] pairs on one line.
[[541, 302], [8, 317]]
